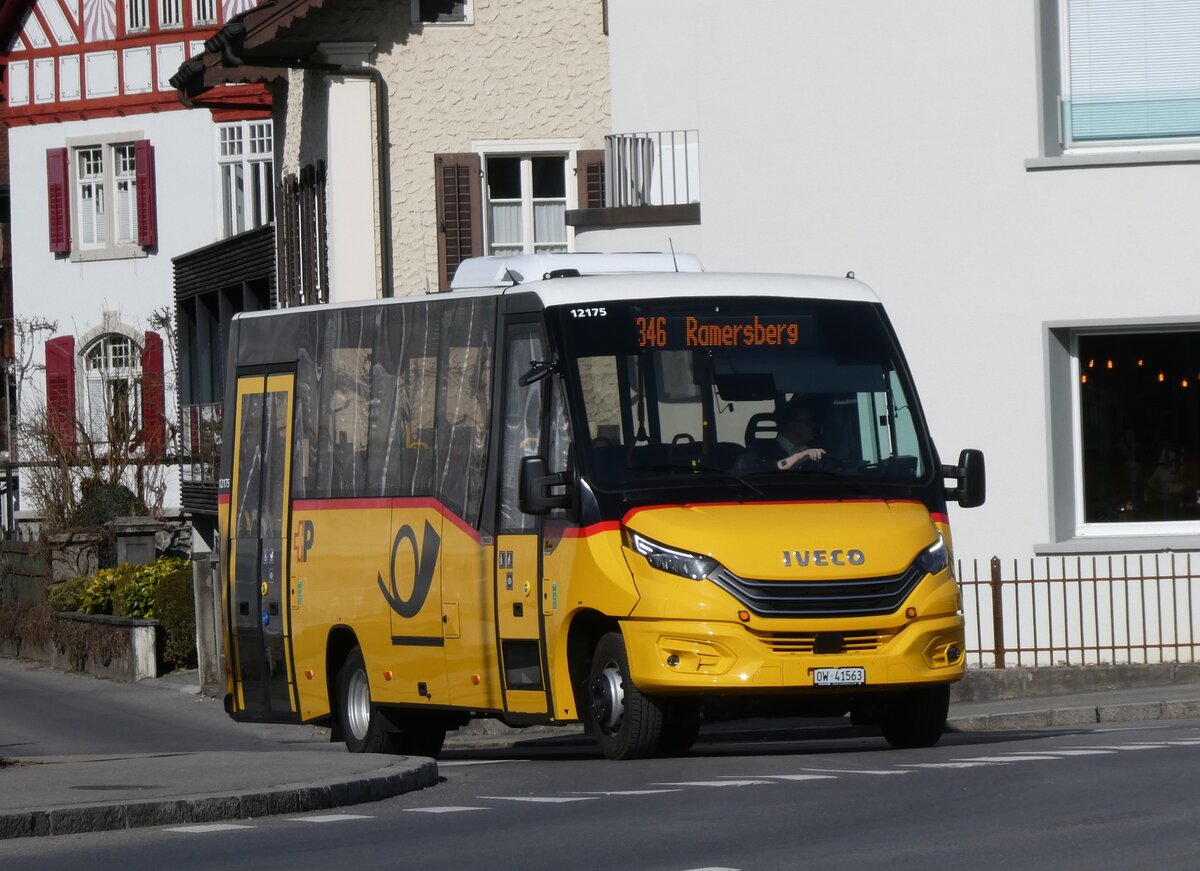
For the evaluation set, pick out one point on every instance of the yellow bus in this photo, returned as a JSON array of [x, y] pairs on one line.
[[567, 491]]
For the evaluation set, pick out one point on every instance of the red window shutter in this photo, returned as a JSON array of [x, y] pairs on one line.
[[589, 173], [60, 393], [154, 428], [58, 184], [459, 212], [147, 211]]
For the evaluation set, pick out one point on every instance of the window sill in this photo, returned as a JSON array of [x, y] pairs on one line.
[[625, 216], [1113, 158], [1117, 544], [90, 255]]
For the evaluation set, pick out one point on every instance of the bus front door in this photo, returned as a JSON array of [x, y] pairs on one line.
[[518, 563], [258, 596]]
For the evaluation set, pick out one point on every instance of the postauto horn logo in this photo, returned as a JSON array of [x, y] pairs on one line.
[[423, 567]]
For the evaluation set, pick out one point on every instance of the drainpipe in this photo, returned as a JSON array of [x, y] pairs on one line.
[[235, 31]]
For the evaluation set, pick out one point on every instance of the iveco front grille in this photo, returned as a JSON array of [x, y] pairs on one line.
[[853, 598], [867, 641]]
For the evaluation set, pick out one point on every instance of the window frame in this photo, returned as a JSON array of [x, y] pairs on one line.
[[110, 248], [200, 6], [134, 10], [1057, 147], [468, 15], [162, 7], [1069, 531], [250, 212], [107, 375], [568, 149]]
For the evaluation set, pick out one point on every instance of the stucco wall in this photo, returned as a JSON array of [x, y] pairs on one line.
[[890, 139], [519, 71]]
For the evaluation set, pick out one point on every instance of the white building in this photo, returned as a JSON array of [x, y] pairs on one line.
[[112, 179], [918, 145]]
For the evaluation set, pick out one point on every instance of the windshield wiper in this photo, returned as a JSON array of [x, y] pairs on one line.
[[841, 477], [692, 466]]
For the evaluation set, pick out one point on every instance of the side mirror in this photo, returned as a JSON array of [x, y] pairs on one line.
[[536, 488], [970, 487]]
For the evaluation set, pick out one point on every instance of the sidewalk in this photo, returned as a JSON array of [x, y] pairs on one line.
[[69, 794]]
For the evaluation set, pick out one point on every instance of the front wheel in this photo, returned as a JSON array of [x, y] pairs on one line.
[[916, 718], [627, 724], [365, 729]]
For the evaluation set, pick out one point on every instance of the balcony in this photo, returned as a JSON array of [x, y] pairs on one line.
[[649, 178], [200, 455]]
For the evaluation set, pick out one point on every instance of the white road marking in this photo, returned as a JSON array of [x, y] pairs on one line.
[[460, 762], [624, 791], [331, 818], [1185, 742], [853, 771], [1080, 752], [207, 827], [948, 764], [541, 799], [1014, 757], [442, 810], [719, 782], [796, 776]]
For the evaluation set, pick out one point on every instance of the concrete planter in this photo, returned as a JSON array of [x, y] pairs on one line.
[[119, 648]]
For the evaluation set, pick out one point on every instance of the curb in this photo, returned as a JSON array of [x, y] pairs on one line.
[[1183, 709], [405, 776]]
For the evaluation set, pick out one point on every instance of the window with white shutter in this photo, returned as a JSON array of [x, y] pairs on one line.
[[1130, 72]]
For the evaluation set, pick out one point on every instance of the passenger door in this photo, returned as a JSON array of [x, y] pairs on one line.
[[518, 567], [259, 594]]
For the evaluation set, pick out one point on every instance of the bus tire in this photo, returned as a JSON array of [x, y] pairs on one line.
[[363, 727], [681, 727], [915, 718], [627, 724]]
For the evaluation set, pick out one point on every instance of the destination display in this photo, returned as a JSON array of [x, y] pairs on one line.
[[711, 331]]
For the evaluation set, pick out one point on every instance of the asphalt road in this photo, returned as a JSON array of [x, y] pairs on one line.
[[1085, 798]]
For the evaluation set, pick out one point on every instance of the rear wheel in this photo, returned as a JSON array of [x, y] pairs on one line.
[[363, 727], [916, 718], [627, 723]]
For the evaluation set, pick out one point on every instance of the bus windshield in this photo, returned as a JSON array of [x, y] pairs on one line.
[[764, 393]]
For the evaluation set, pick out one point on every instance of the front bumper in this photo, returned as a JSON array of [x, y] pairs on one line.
[[670, 657]]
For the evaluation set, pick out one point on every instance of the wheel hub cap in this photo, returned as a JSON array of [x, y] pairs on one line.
[[608, 699]]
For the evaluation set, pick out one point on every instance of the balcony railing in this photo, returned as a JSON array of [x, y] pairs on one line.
[[200, 443], [652, 169]]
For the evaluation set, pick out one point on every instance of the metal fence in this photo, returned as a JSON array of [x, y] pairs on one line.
[[660, 168], [200, 442], [1082, 610]]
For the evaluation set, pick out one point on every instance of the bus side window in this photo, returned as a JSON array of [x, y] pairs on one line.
[[558, 457], [522, 421]]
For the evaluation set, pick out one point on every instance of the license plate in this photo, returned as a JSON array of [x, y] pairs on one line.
[[848, 676]]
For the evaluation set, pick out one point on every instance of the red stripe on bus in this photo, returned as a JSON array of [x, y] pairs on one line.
[[585, 531], [376, 502]]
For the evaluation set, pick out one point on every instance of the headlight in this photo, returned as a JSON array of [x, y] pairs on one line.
[[934, 558], [667, 559]]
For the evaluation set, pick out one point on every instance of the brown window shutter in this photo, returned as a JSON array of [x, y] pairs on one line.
[[459, 212], [147, 213], [60, 393], [154, 423], [589, 173], [58, 186]]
